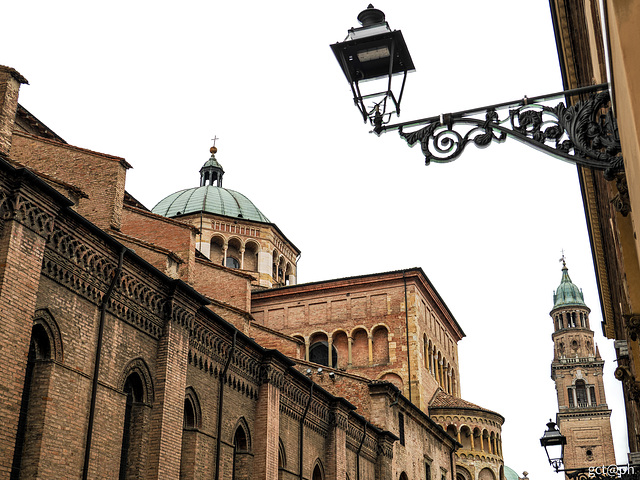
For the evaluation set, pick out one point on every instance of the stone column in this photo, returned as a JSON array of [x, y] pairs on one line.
[[349, 347], [330, 352]]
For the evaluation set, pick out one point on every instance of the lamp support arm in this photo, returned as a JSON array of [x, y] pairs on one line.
[[585, 133]]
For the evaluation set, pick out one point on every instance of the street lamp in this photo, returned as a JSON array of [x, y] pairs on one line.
[[584, 133], [553, 442], [374, 52]]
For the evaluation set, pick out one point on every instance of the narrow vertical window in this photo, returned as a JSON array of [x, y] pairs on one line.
[[581, 393], [130, 465], [31, 414], [401, 428], [241, 456], [570, 396]]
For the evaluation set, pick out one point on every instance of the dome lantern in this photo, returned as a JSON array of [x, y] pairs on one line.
[[211, 172], [210, 198]]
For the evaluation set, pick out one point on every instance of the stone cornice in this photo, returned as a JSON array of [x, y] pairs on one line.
[[413, 275]]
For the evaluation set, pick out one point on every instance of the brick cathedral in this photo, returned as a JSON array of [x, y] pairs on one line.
[[176, 343]]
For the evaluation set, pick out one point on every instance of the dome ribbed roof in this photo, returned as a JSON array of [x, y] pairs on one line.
[[510, 474], [567, 294], [209, 199]]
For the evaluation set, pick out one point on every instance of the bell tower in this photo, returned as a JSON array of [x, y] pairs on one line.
[[583, 416]]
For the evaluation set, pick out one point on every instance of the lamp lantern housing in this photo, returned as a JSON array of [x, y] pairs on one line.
[[553, 442], [374, 53]]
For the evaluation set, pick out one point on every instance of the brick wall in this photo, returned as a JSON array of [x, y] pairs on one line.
[[21, 251], [10, 81], [100, 176], [223, 284], [169, 234], [370, 313]]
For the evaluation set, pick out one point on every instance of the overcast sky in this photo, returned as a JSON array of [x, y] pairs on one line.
[[153, 82]]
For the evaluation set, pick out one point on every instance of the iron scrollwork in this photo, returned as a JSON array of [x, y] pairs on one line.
[[584, 133]]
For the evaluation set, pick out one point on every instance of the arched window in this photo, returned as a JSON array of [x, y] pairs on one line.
[[191, 422], [232, 262], [452, 431], [189, 415], [32, 407], [130, 461], [465, 437], [282, 459], [319, 353], [216, 249], [581, 393], [251, 256], [425, 351], [431, 369], [360, 347], [341, 344], [462, 473], [317, 472], [241, 456], [486, 474], [380, 345]]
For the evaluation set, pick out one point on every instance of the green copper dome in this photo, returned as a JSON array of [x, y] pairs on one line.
[[567, 294], [210, 197], [510, 474]]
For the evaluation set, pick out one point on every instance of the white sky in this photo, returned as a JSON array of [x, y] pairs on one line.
[[153, 82]]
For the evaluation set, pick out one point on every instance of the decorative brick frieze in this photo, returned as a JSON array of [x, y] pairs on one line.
[[270, 374], [385, 445], [88, 277], [354, 441], [28, 213], [233, 381], [339, 419]]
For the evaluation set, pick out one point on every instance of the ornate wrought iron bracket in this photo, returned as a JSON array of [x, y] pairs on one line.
[[584, 133]]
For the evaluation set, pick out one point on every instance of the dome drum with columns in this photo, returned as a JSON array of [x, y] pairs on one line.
[[233, 231]]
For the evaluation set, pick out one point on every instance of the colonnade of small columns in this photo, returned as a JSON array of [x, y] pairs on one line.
[[267, 261], [573, 319], [479, 441], [439, 367], [329, 339]]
